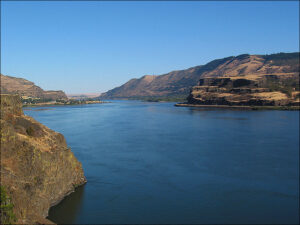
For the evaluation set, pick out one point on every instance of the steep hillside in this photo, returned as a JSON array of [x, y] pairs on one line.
[[37, 167], [258, 90], [13, 85], [170, 84], [270, 80], [180, 82]]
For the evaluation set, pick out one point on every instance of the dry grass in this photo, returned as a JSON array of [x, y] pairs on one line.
[[271, 95]]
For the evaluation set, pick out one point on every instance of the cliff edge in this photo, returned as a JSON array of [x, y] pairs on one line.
[[37, 168], [250, 80], [263, 90]]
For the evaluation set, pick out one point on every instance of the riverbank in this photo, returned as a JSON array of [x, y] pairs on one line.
[[63, 103], [240, 107], [38, 169]]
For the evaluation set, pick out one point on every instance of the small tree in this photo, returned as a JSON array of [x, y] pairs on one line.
[[7, 215]]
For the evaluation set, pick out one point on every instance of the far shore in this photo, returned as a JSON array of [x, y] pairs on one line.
[[240, 107], [62, 104]]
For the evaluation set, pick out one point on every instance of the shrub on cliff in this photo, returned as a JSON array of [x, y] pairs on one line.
[[30, 131], [7, 215]]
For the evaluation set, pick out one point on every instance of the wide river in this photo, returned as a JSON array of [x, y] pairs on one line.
[[156, 163]]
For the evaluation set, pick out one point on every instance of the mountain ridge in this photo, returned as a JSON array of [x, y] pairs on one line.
[[180, 82], [26, 88]]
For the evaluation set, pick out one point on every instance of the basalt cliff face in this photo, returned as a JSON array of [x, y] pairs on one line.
[[248, 67], [250, 81], [264, 90], [37, 167], [13, 85]]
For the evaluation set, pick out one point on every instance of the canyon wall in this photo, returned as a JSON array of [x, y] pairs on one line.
[[258, 90], [37, 168]]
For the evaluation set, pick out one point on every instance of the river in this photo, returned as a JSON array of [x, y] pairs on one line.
[[156, 163]]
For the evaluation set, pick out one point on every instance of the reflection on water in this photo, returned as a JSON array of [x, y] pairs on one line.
[[67, 211]]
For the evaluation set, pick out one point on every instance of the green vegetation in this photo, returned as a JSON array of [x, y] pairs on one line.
[[242, 57], [7, 215], [76, 102], [284, 59], [61, 102], [282, 56], [34, 100], [30, 131], [92, 99], [71, 101], [286, 86], [171, 98], [165, 99]]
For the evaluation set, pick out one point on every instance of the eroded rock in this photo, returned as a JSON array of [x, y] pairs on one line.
[[258, 90], [37, 168]]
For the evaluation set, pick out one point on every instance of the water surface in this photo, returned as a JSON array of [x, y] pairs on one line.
[[156, 163]]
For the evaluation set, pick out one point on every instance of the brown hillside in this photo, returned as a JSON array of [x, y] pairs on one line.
[[37, 167], [271, 80], [13, 85], [180, 82]]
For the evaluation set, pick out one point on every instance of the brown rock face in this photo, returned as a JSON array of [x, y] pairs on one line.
[[260, 90], [37, 167], [250, 80], [13, 85], [180, 82]]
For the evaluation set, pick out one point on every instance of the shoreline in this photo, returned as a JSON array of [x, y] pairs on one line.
[[62, 198], [58, 104], [292, 108]]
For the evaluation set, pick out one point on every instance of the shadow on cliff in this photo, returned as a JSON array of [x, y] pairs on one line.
[[68, 209]]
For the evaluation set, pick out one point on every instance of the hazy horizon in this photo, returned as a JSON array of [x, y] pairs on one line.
[[91, 47]]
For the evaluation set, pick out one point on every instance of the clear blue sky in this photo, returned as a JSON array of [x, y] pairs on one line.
[[83, 47]]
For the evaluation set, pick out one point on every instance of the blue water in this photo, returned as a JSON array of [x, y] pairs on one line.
[[156, 163]]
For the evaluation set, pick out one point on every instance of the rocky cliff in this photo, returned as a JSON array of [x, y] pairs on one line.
[[13, 85], [180, 82], [250, 80], [37, 168], [260, 90]]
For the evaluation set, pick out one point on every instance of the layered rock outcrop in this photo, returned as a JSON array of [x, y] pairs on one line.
[[250, 90], [37, 168], [179, 83]]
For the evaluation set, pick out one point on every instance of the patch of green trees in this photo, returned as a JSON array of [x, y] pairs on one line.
[[7, 215]]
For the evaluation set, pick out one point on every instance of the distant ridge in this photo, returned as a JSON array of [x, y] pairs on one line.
[[180, 82], [25, 88], [83, 95]]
